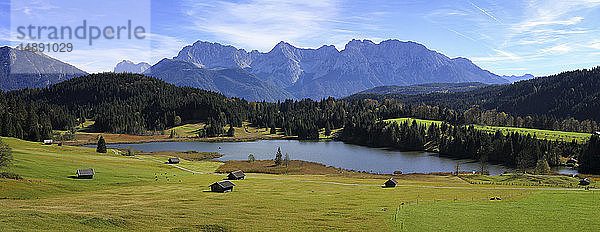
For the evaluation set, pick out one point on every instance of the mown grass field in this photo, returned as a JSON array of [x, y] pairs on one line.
[[142, 194], [540, 134]]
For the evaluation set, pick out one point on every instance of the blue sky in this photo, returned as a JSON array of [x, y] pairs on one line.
[[505, 37]]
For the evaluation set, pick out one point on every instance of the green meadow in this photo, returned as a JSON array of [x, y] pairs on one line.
[[540, 134], [142, 193]]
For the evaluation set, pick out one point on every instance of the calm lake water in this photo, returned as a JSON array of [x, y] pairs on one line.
[[337, 154]]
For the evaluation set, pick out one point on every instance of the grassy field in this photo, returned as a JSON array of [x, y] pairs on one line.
[[520, 179], [186, 132], [142, 194], [540, 134]]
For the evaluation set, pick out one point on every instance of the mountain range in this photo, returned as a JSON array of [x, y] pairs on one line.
[[232, 82], [24, 69], [130, 67], [284, 72], [515, 78], [323, 72]]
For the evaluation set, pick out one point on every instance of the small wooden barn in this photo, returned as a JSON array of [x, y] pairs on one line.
[[391, 183], [85, 173], [236, 175], [174, 160], [48, 141], [222, 186]]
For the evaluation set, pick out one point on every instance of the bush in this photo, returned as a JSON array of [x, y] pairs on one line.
[[10, 175], [5, 154]]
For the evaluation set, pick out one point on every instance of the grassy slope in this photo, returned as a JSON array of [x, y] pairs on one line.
[[540, 134], [186, 132], [126, 195], [542, 211]]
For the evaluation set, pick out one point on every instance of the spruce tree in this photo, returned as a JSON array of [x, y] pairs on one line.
[[231, 131], [327, 129], [101, 148], [590, 158], [278, 157]]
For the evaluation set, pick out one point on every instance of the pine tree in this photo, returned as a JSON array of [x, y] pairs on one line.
[[590, 158], [273, 130], [231, 131], [278, 157], [101, 148], [172, 134], [327, 129], [251, 158]]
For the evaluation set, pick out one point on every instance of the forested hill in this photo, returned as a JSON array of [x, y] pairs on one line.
[[131, 103], [569, 94], [421, 88]]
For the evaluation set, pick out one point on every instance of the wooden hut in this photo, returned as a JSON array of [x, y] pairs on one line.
[[222, 186], [85, 173], [571, 162], [174, 160], [391, 183], [47, 141], [236, 175]]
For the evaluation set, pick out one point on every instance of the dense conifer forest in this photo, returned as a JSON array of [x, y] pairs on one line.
[[567, 101], [137, 104]]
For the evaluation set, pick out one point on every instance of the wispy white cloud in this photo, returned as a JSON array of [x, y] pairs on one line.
[[529, 24], [260, 24], [557, 49], [485, 12], [499, 55]]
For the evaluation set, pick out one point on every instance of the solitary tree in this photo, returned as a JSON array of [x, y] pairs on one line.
[[542, 166], [231, 131], [130, 152], [286, 160], [251, 158], [5, 154], [278, 157], [101, 148]]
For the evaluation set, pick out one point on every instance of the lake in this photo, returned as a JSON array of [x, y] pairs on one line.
[[332, 153]]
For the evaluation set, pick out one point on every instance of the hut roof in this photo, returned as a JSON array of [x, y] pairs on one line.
[[224, 184], [174, 159], [237, 174], [85, 172], [393, 180]]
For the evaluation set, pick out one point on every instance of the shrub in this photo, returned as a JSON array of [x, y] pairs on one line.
[[10, 175]]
